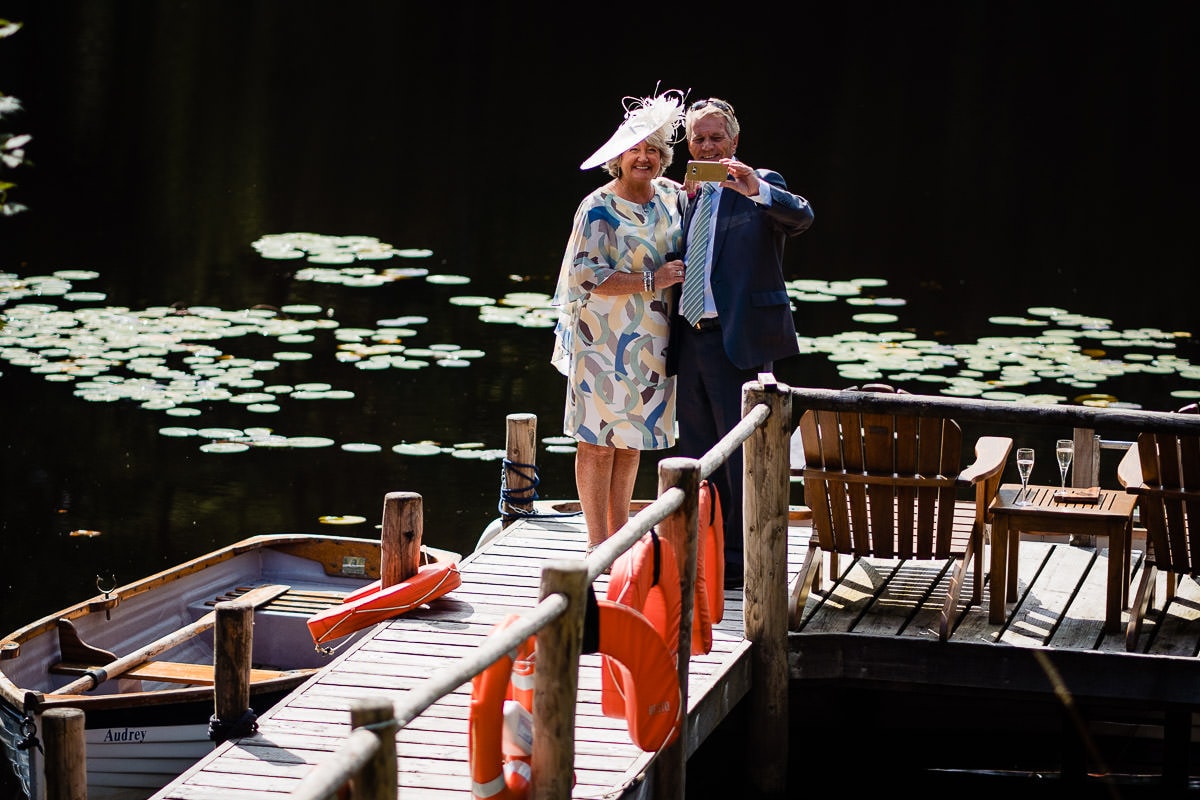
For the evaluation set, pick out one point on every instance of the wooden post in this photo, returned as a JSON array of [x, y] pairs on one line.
[[400, 542], [378, 779], [681, 529], [556, 682], [1085, 471], [520, 471], [66, 754], [233, 643], [766, 478]]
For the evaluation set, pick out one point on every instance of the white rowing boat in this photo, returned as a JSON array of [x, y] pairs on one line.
[[138, 660]]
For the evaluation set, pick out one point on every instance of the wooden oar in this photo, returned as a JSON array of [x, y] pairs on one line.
[[256, 597]]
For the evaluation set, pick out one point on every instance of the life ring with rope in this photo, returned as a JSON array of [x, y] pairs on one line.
[[500, 742], [643, 672], [370, 604]]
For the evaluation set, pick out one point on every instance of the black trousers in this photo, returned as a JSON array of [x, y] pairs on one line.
[[708, 395]]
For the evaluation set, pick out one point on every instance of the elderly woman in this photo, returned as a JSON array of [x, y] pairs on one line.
[[614, 312]]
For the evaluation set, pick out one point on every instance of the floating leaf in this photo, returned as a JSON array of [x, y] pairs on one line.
[[417, 449], [361, 447]]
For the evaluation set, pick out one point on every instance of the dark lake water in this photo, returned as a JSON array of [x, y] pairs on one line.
[[975, 161]]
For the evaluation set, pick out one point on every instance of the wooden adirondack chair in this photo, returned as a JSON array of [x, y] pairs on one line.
[[1163, 470], [886, 486]]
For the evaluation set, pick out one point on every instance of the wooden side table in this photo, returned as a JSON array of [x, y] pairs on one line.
[[1112, 516]]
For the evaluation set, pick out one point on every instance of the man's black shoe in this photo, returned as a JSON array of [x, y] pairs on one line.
[[733, 579]]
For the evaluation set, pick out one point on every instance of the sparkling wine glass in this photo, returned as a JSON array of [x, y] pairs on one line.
[[1064, 450], [1024, 467]]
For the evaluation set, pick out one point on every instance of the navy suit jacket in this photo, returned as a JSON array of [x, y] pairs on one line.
[[747, 274]]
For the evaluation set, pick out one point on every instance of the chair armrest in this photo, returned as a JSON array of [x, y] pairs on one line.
[[990, 454], [1129, 471]]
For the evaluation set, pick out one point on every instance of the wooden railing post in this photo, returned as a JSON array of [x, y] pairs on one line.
[[521, 450], [66, 754], [681, 529], [400, 541], [378, 779], [233, 645], [556, 682], [766, 489]]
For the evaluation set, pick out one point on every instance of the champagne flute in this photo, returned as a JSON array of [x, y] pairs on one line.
[[1024, 467], [1064, 450]]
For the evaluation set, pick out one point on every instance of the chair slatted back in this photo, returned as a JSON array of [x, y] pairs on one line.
[[882, 485], [1169, 500]]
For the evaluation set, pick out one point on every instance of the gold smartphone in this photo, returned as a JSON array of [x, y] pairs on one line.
[[706, 171]]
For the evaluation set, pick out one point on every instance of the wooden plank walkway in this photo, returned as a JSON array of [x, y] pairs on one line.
[[501, 578], [1061, 607]]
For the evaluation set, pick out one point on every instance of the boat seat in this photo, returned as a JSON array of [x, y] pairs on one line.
[[294, 601], [170, 672]]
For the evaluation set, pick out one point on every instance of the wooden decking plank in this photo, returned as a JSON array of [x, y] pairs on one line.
[[1175, 631], [926, 622], [1044, 595], [846, 600], [1082, 625], [903, 605]]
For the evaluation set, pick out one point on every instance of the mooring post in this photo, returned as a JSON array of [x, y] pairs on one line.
[[378, 778], [66, 754], [520, 470], [766, 477], [400, 542], [233, 644], [556, 681], [682, 530]]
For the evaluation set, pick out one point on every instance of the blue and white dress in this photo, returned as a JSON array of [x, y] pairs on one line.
[[612, 348]]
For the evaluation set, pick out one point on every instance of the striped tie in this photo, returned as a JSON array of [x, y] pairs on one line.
[[691, 305]]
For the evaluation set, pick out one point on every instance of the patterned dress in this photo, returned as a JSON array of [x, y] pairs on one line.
[[612, 348]]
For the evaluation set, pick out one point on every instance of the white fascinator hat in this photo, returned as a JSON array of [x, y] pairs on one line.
[[643, 116]]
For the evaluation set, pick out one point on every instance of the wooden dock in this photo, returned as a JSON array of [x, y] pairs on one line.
[[863, 649], [875, 624], [501, 578]]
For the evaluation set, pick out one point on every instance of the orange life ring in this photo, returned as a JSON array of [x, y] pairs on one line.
[[643, 672], [370, 604], [500, 772], [645, 579], [711, 559]]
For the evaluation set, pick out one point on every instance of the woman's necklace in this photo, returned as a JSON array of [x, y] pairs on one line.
[[642, 196]]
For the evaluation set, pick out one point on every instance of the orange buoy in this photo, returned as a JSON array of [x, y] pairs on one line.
[[370, 604], [500, 758], [642, 672]]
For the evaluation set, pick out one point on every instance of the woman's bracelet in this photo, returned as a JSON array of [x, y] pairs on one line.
[[648, 280]]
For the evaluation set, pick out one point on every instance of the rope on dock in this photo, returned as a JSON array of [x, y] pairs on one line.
[[525, 496]]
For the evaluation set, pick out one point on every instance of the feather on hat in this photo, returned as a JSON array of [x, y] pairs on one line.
[[643, 116]]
